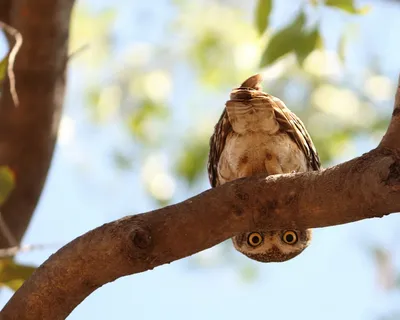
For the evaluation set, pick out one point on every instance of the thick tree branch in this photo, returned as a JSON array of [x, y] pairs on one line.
[[28, 132], [5, 9], [365, 187]]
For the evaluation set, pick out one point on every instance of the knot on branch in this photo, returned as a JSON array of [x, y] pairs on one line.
[[393, 178], [141, 238], [396, 112]]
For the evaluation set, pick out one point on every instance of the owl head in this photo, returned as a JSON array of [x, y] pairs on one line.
[[272, 246]]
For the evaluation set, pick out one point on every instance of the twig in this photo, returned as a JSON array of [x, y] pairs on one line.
[[77, 51], [5, 230], [11, 59], [12, 251]]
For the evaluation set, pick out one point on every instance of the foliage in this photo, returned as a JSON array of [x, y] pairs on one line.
[[192, 157], [292, 38], [7, 182], [347, 5], [263, 12], [295, 37], [13, 275], [3, 68]]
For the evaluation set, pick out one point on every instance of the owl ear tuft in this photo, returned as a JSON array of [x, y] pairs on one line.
[[254, 82]]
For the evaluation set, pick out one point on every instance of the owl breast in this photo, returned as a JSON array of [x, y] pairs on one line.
[[259, 152]]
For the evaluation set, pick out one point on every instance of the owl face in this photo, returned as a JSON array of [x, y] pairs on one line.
[[272, 246]]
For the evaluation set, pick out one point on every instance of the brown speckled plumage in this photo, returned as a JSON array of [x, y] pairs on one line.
[[257, 133]]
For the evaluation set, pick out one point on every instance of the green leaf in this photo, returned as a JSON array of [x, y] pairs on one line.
[[284, 41], [147, 110], [13, 275], [349, 33], [306, 43], [342, 47], [122, 161], [192, 160], [263, 11], [348, 6], [7, 183], [249, 273], [3, 67]]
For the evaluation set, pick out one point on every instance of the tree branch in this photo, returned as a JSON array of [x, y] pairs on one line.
[[5, 9], [365, 187], [28, 132]]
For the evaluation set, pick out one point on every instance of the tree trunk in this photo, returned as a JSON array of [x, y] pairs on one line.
[[28, 131]]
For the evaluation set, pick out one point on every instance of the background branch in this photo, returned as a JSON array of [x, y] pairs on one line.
[[365, 187], [13, 33], [5, 9], [40, 82]]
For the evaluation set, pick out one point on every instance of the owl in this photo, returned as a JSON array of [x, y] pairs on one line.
[[256, 134]]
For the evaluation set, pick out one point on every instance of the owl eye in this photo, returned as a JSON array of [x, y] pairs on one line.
[[289, 237], [254, 239]]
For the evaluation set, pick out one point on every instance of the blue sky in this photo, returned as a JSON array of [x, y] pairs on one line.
[[335, 278]]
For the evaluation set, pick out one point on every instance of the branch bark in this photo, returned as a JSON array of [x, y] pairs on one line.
[[28, 132], [5, 9], [365, 187]]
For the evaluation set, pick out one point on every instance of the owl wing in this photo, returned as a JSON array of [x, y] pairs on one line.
[[294, 127], [217, 145]]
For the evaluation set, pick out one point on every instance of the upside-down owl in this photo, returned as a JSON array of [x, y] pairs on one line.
[[258, 134]]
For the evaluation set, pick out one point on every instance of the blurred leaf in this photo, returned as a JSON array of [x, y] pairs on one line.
[[342, 47], [379, 124], [348, 6], [209, 47], [338, 140], [284, 41], [162, 203], [385, 268], [249, 273], [306, 43], [349, 34], [209, 44], [3, 67], [93, 29], [7, 183], [104, 103], [93, 96], [147, 110], [122, 161], [192, 160], [263, 11], [13, 275]]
